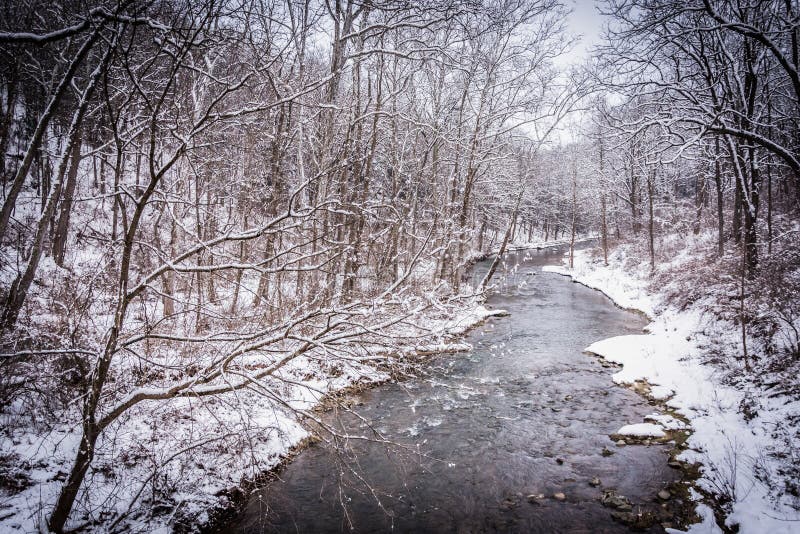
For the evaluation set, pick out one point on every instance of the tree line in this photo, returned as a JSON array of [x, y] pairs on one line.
[[708, 91]]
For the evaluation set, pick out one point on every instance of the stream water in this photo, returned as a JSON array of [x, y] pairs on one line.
[[526, 412]]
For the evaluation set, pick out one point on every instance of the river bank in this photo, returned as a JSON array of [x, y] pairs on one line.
[[737, 439], [234, 438]]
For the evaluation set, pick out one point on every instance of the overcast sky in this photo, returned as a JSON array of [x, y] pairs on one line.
[[586, 22]]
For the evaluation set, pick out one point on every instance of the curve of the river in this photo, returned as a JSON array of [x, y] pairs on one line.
[[525, 413]]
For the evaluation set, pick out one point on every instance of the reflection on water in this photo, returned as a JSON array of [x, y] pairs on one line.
[[525, 413]]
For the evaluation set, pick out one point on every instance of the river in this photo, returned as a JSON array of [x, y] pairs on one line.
[[525, 413]]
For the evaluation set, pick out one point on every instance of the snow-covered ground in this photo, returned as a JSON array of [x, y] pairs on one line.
[[540, 243], [740, 454]]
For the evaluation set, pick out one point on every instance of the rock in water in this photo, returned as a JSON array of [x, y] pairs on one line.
[[594, 482], [610, 499], [535, 498], [510, 502], [664, 495], [559, 496]]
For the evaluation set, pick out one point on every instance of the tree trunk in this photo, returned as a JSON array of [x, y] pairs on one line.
[[69, 491], [736, 229], [7, 119], [574, 215], [720, 202], [742, 308], [167, 299], [45, 169], [700, 201], [481, 233], [650, 222], [769, 209], [237, 285], [498, 258], [603, 219], [751, 216], [62, 226]]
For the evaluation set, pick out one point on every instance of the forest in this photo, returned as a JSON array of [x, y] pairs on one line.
[[218, 213]]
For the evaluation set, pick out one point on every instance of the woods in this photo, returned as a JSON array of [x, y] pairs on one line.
[[196, 195], [716, 83], [209, 205]]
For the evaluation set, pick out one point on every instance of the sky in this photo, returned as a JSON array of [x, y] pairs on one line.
[[586, 22]]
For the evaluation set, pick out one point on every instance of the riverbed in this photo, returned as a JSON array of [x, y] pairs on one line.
[[510, 437]]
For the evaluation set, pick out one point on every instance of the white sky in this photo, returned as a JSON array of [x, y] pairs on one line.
[[586, 22]]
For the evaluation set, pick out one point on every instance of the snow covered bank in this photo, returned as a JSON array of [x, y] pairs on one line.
[[627, 292], [736, 426], [145, 478], [539, 244]]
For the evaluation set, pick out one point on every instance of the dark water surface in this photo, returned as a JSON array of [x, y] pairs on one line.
[[490, 425]]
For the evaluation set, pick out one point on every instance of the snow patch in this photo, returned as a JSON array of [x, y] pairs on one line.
[[641, 430], [707, 524], [666, 421]]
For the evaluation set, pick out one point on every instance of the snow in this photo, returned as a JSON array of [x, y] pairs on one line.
[[470, 318], [661, 392], [667, 421], [739, 456], [707, 524], [642, 430], [649, 358], [540, 243]]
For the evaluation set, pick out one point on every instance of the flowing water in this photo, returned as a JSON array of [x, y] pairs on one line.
[[526, 412]]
